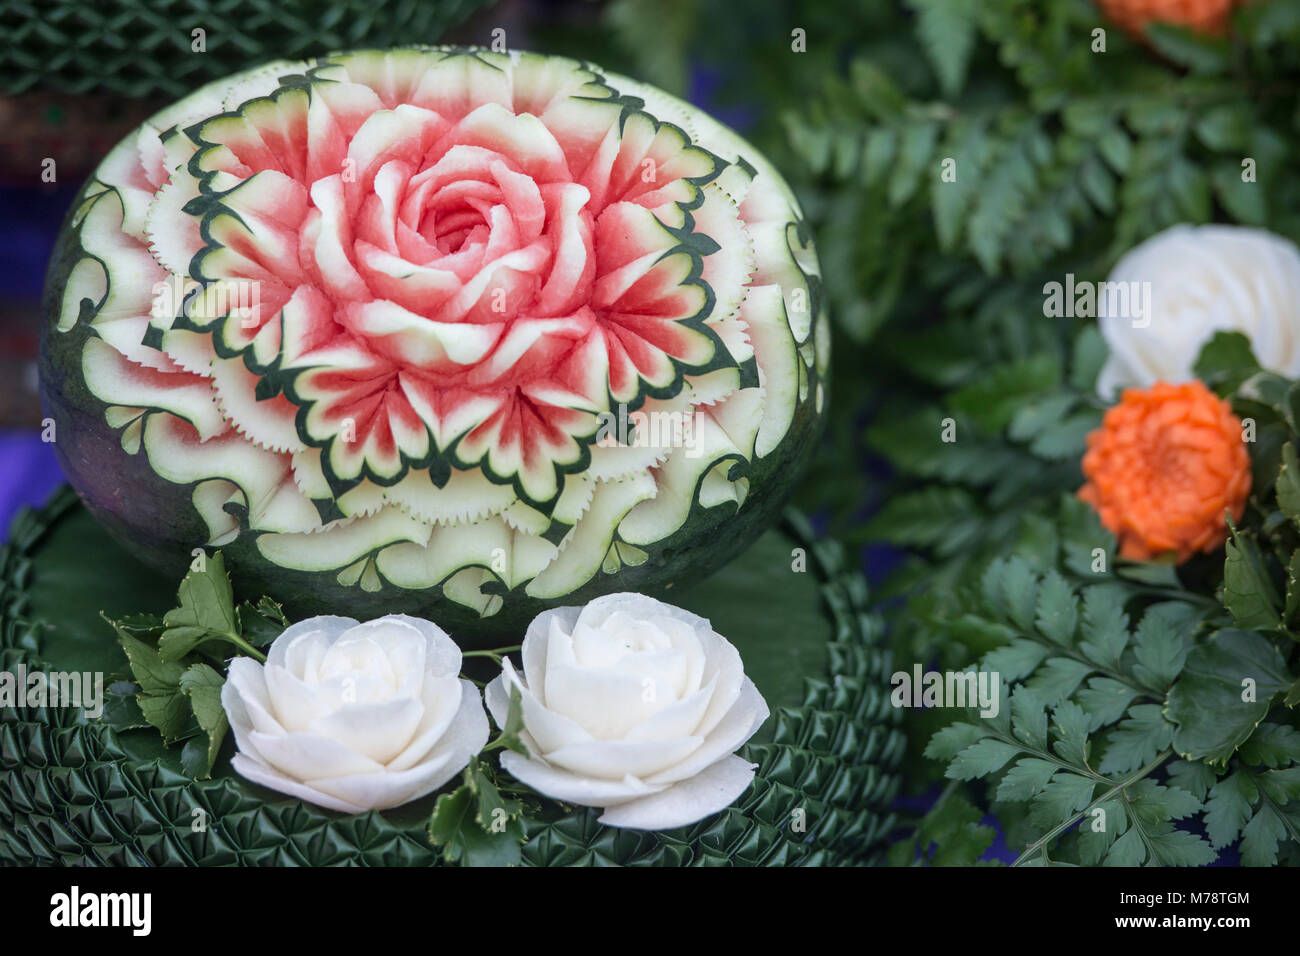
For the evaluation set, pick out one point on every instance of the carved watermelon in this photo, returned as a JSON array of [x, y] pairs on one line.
[[438, 330]]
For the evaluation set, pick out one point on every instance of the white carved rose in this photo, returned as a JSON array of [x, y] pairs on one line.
[[632, 705], [1203, 279], [353, 716]]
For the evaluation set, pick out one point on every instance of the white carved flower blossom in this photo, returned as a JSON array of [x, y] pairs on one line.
[[354, 717], [634, 706]]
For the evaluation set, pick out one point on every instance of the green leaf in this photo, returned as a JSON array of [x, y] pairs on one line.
[[1137, 739], [206, 599], [202, 685], [454, 827], [151, 672], [1029, 719], [1057, 613], [995, 397], [1097, 832], [1066, 794], [509, 737], [1193, 776], [1207, 702], [1248, 591], [947, 30], [1037, 416], [262, 623], [954, 831], [1106, 700], [981, 759], [1225, 361], [1161, 642], [1272, 745], [176, 642], [1228, 808], [170, 712], [1025, 779], [1105, 626], [1072, 726], [1015, 660], [951, 740], [1291, 607], [1260, 837], [1058, 678], [122, 710], [1288, 484], [1197, 52]]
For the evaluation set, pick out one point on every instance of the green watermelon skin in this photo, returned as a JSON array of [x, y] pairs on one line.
[[75, 792], [156, 519]]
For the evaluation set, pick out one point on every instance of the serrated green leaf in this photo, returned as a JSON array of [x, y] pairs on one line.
[[1029, 719], [1065, 795], [1058, 678], [1288, 484], [980, 759], [1056, 613], [1248, 591], [1072, 726], [947, 30], [1066, 439], [1228, 808], [260, 624], [206, 600], [1098, 831], [202, 685], [1193, 776], [1272, 745], [953, 739], [995, 398], [1207, 701], [1225, 361], [1016, 660], [1161, 642], [1137, 739], [1035, 417], [1105, 700], [1025, 779], [1105, 627], [151, 672]]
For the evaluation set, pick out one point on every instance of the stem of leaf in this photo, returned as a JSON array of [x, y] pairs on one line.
[[496, 653], [244, 646], [1118, 788]]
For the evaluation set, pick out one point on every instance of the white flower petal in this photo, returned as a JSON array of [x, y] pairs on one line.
[[466, 735], [309, 756], [616, 759], [638, 606], [246, 685], [681, 719], [548, 729], [296, 704], [385, 788], [537, 640], [739, 724], [561, 785], [714, 788], [442, 657], [272, 779], [443, 699], [605, 703], [329, 625], [723, 662], [378, 730]]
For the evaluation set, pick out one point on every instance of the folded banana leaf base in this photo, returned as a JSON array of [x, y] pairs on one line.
[[75, 791]]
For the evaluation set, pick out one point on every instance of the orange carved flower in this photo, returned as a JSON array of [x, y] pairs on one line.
[[1203, 16], [1162, 469]]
